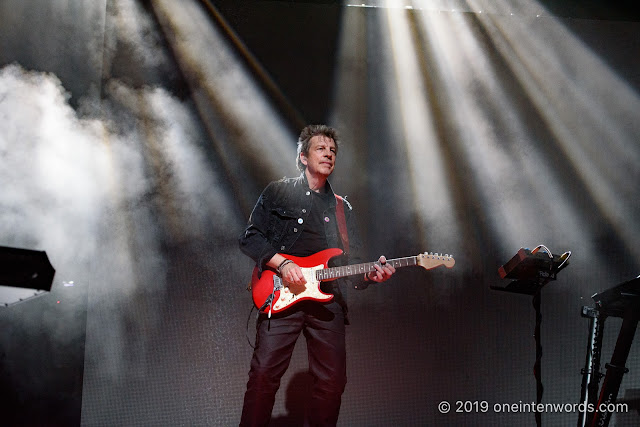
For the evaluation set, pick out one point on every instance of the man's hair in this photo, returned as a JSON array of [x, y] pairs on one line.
[[305, 138]]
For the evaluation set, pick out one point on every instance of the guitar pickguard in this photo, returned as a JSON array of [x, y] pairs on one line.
[[285, 298]]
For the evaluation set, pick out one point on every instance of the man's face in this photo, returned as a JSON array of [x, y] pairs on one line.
[[321, 158]]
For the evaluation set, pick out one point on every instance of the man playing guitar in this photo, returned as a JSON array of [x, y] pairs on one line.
[[293, 218]]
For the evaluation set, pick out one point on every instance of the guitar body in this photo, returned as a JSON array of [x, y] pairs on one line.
[[263, 287]]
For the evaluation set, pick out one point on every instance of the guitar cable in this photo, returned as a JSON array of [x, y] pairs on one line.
[[268, 302], [248, 319]]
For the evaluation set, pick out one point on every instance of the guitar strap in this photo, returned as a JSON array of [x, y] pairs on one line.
[[342, 223]]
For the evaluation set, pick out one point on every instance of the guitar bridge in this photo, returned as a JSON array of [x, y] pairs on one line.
[[277, 283]]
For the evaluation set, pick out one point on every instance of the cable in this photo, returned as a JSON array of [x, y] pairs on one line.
[[248, 319], [545, 248], [564, 257]]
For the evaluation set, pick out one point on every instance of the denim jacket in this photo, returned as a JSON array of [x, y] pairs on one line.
[[279, 216]]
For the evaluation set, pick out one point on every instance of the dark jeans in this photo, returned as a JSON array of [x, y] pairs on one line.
[[323, 327]]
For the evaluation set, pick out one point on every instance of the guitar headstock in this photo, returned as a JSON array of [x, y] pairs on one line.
[[430, 260]]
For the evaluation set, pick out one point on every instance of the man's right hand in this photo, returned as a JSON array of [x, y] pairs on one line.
[[292, 273], [294, 279]]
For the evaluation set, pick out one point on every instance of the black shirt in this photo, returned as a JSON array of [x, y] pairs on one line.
[[313, 237]]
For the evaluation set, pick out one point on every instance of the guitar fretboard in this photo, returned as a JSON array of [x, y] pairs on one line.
[[352, 270]]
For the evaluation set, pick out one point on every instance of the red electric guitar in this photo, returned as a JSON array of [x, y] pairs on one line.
[[271, 295]]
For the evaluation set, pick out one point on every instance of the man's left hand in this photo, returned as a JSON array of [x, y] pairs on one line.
[[383, 271]]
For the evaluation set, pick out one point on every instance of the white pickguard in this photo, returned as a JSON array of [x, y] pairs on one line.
[[312, 290]]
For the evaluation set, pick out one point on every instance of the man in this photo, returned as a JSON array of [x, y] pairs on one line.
[[297, 216]]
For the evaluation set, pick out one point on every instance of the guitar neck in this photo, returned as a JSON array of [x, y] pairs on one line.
[[364, 268]]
